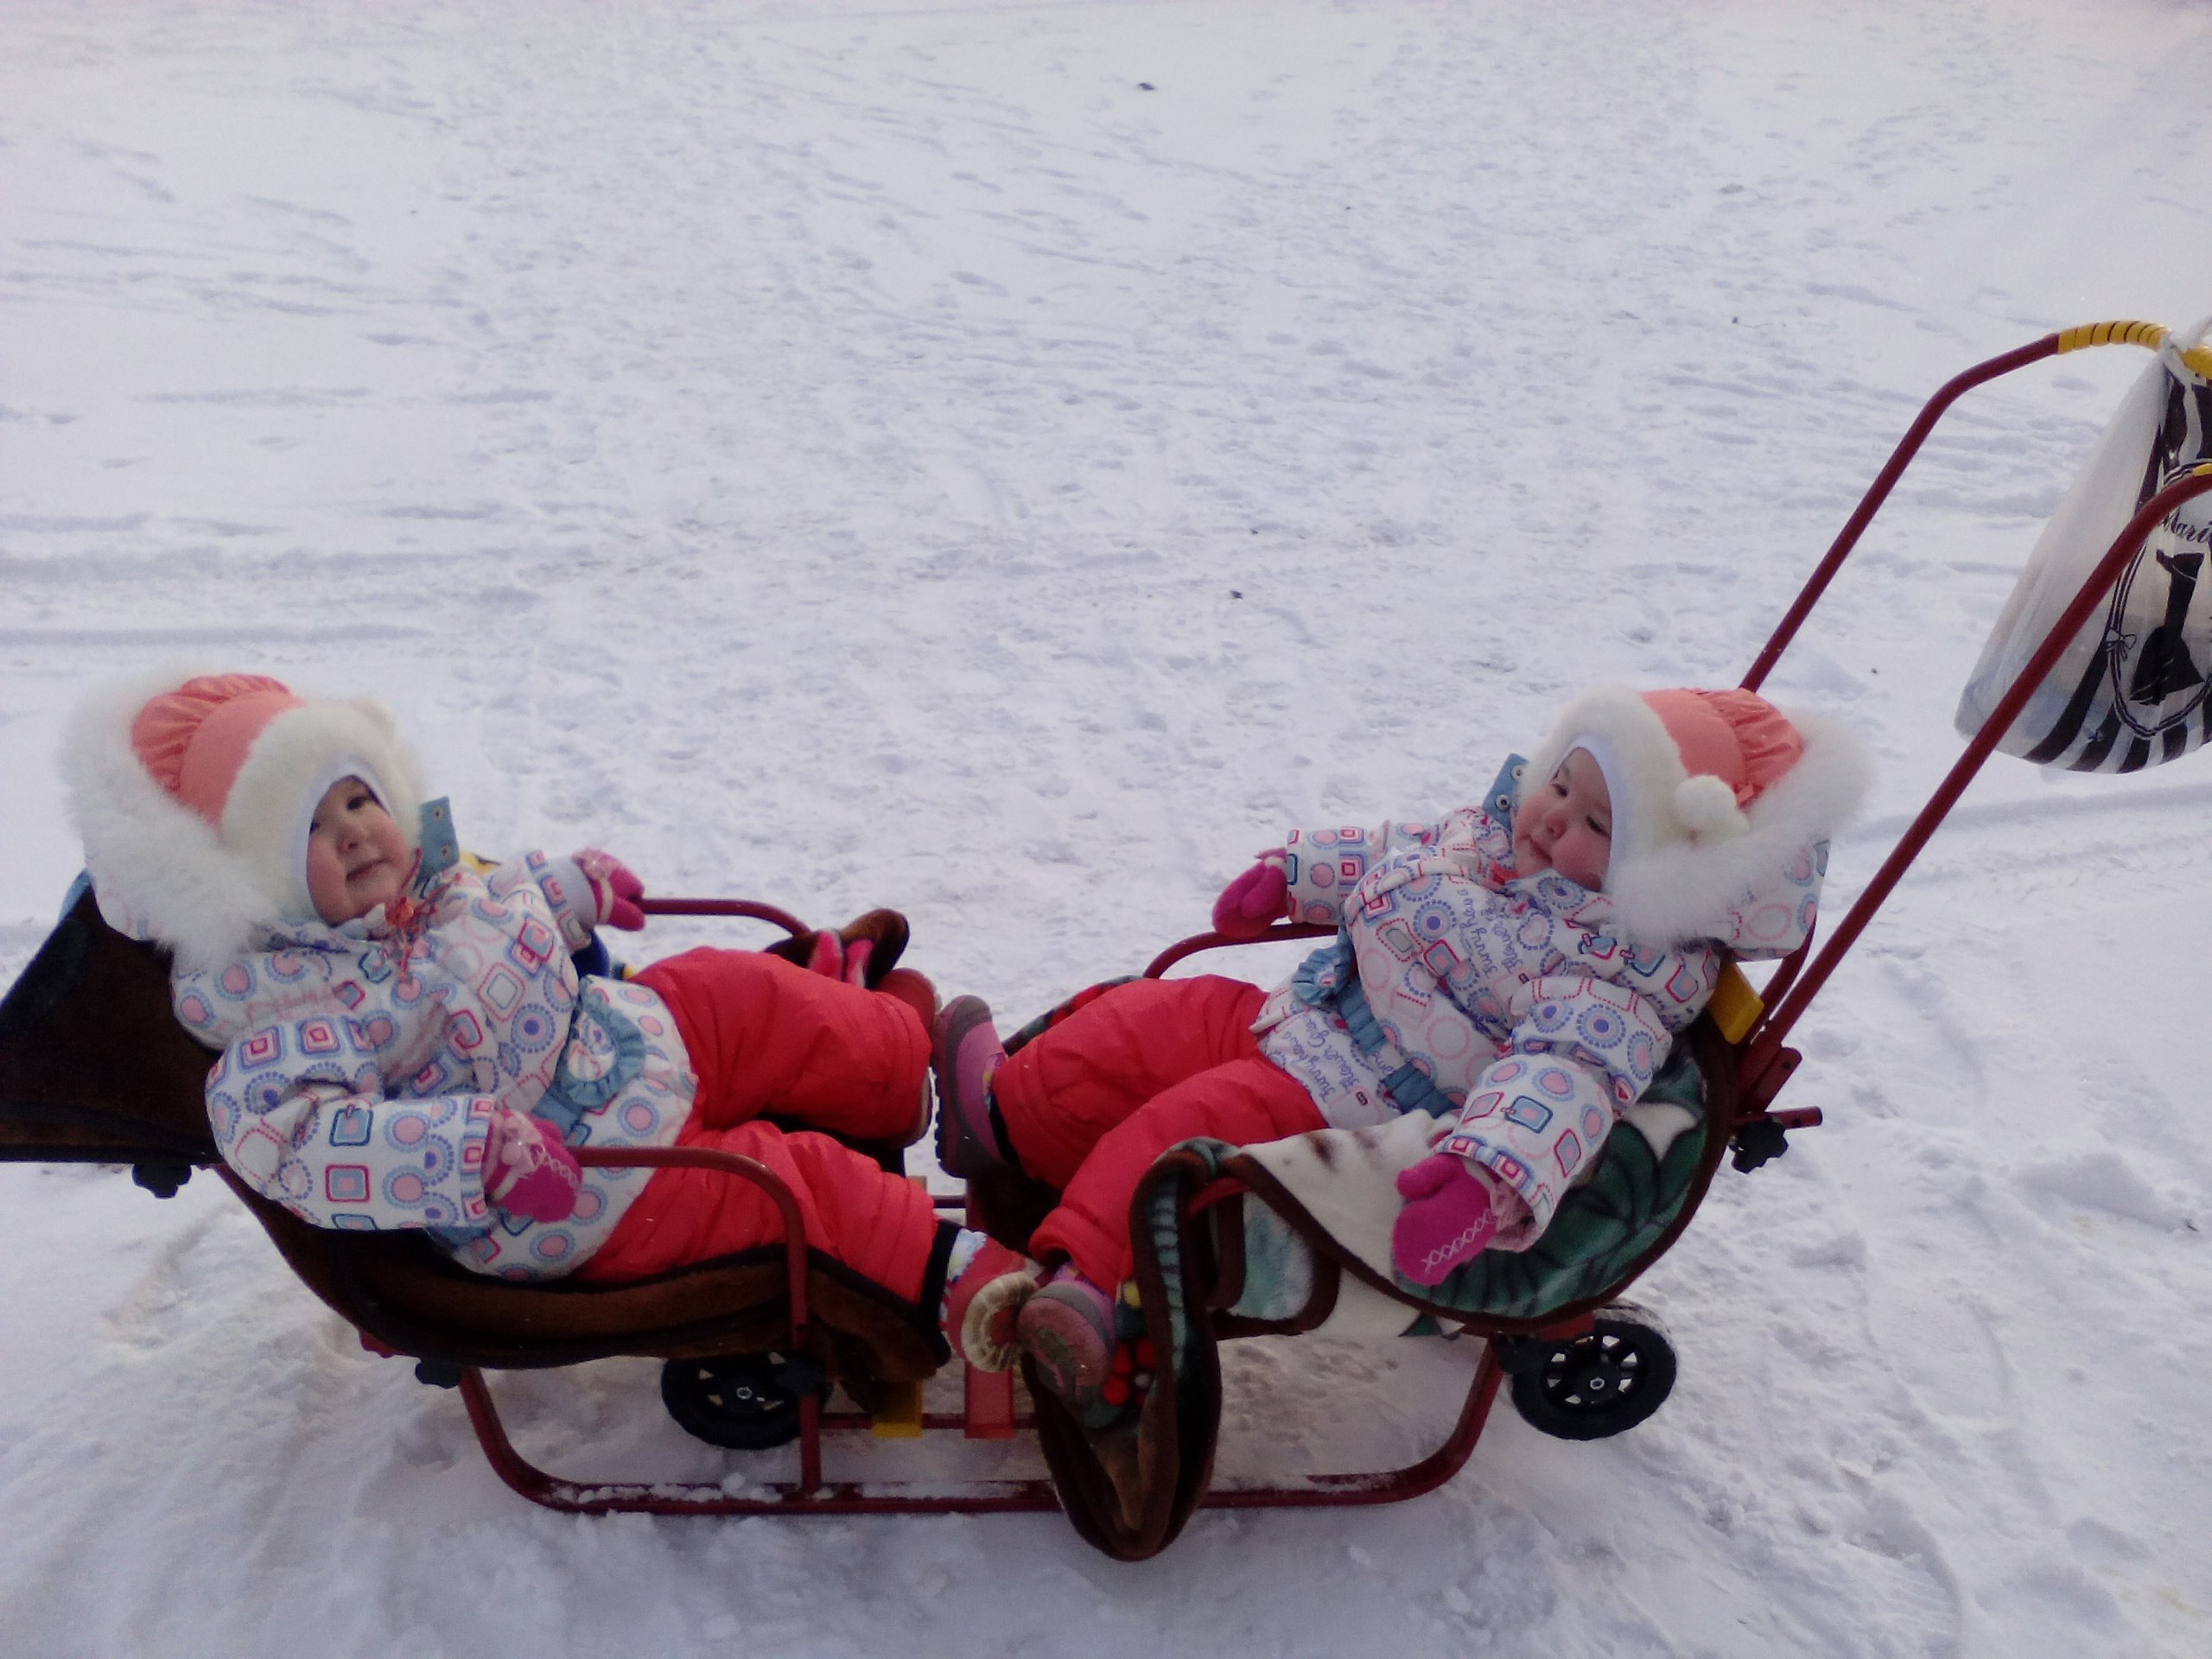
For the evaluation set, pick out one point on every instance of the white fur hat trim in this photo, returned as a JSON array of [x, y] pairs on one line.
[[162, 872], [298, 756], [1683, 853]]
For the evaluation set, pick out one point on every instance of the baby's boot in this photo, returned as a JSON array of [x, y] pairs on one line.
[[915, 990], [967, 1051], [1067, 1327], [982, 1302], [872, 944], [862, 952], [905, 985]]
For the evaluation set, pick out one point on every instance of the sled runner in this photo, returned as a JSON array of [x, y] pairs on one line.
[[1229, 1242]]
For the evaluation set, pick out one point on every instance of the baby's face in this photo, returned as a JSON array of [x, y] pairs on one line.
[[1566, 824], [357, 858]]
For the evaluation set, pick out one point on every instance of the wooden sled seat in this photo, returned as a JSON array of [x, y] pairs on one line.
[[94, 1068]]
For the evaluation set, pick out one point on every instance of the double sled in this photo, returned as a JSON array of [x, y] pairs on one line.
[[781, 1345]]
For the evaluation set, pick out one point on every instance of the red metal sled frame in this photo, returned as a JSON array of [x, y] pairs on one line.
[[989, 1414], [812, 1495], [1765, 1065]]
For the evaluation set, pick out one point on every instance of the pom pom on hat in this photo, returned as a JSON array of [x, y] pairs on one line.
[[1705, 805]]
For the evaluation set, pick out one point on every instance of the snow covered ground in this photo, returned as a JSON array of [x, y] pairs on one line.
[[1010, 461]]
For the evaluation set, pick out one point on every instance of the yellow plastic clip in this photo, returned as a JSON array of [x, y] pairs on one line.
[[901, 1418], [1735, 1007]]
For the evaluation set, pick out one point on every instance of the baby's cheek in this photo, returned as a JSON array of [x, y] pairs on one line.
[[1593, 861]]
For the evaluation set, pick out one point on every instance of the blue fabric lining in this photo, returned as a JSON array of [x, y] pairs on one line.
[[1358, 1016], [569, 1096], [1409, 1089], [435, 835], [1320, 977]]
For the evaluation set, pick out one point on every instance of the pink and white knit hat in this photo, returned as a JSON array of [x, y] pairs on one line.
[[194, 795], [1711, 791]]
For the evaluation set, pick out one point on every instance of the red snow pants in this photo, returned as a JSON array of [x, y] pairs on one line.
[[764, 1035], [1089, 1103]]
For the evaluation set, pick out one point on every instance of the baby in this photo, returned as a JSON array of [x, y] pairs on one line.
[[1518, 970], [406, 1043]]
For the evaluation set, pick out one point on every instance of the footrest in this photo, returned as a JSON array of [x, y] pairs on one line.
[[900, 1417]]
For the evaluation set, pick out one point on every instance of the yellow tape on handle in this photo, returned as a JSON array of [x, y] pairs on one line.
[[2147, 335]]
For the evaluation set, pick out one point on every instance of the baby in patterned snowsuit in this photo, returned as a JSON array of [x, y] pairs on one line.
[[1519, 971], [406, 1043]]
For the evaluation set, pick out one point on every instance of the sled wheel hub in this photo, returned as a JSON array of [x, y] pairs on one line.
[[747, 1402], [1608, 1379]]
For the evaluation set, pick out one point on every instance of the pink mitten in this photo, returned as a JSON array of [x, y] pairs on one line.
[[1254, 901], [527, 1172], [1449, 1218], [615, 887]]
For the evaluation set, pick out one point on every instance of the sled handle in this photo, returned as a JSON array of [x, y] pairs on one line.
[[1765, 1042], [2150, 334], [2196, 358]]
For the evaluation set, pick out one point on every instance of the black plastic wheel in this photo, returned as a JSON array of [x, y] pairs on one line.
[[741, 1401], [1589, 1387]]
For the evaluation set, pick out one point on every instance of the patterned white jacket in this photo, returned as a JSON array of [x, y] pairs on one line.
[[1512, 1008], [361, 1064]]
